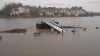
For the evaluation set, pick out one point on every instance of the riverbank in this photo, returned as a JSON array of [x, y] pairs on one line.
[[25, 17]]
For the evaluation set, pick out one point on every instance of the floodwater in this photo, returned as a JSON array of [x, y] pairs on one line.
[[78, 43]]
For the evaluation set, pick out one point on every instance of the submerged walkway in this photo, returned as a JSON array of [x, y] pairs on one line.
[[54, 26]]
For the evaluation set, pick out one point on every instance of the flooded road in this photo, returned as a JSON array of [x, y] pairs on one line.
[[78, 43]]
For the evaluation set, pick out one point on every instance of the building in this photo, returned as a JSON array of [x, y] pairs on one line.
[[19, 11]]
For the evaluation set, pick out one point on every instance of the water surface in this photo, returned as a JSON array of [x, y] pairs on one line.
[[78, 43]]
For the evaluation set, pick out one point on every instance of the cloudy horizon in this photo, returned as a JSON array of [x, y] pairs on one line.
[[90, 5]]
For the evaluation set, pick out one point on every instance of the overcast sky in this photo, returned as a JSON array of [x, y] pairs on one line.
[[92, 5]]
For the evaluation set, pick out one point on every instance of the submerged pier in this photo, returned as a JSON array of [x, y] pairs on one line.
[[48, 24]]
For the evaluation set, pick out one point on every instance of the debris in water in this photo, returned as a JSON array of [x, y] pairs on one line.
[[84, 29], [36, 34], [0, 37], [17, 30], [73, 30], [97, 27]]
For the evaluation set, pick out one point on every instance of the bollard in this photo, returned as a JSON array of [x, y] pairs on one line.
[[0, 37]]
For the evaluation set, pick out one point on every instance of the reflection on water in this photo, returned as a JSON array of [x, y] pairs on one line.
[[74, 42]]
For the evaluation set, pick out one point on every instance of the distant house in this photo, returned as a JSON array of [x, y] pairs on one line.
[[47, 12], [77, 11], [20, 10]]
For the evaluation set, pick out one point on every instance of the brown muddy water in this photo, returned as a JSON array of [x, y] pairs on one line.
[[82, 42]]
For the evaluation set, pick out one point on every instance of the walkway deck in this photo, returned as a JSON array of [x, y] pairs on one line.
[[54, 26]]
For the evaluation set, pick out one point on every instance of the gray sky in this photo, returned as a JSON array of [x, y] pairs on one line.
[[92, 5]]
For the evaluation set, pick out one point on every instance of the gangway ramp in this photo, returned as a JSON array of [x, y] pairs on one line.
[[54, 26]]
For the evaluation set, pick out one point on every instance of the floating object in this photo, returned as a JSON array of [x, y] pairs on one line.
[[42, 25], [84, 29], [70, 27], [97, 27], [17, 30], [36, 34], [73, 31], [0, 37]]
